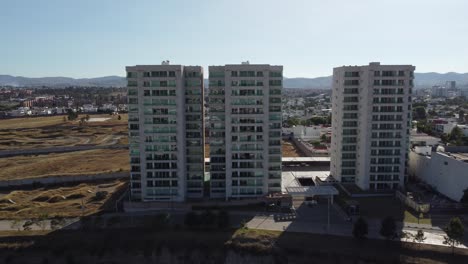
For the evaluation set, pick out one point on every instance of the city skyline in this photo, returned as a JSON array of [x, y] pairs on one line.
[[87, 39]]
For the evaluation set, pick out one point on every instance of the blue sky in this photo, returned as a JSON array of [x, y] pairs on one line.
[[91, 38]]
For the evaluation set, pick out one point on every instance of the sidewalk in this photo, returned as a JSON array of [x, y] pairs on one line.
[[434, 235]]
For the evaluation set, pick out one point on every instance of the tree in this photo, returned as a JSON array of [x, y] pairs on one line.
[[456, 136], [159, 221], [432, 113], [208, 218], [419, 237], [455, 231], [424, 127], [71, 115], [464, 199], [419, 112], [388, 228], [223, 219], [445, 138], [360, 229], [192, 219], [293, 121], [16, 224], [323, 138]]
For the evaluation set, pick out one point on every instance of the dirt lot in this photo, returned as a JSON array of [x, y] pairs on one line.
[[289, 150], [71, 163], [59, 201], [43, 132]]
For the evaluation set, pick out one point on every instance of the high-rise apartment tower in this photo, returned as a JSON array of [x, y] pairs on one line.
[[245, 130], [166, 132], [371, 122]]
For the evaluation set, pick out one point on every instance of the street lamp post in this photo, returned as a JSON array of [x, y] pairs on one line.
[[328, 216]]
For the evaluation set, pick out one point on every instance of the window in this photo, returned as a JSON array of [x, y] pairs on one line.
[[276, 74], [352, 74], [351, 82], [275, 82], [131, 74], [216, 74], [388, 73]]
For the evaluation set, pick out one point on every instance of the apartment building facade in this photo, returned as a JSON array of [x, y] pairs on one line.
[[166, 125], [245, 130], [371, 120]]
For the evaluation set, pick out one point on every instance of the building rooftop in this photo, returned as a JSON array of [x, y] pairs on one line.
[[297, 159]]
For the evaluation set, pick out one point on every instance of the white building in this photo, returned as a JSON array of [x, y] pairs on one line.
[[109, 107], [445, 128], [446, 170], [306, 132], [166, 132], [20, 111], [370, 122], [245, 130], [423, 139], [89, 108]]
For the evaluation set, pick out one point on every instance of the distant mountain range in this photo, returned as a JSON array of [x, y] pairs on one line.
[[421, 80], [107, 81]]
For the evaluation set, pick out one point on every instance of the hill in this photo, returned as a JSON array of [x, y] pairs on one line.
[[107, 81], [421, 80]]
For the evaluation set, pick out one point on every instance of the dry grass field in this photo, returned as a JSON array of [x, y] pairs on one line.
[[289, 150], [30, 122], [72, 201], [71, 163], [53, 131]]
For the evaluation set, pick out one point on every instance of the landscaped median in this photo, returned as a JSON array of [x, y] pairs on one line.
[[182, 245]]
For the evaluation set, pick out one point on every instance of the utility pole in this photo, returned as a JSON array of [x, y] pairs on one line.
[[328, 216]]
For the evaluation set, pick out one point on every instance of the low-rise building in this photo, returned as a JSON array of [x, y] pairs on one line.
[[89, 108], [306, 132], [109, 107], [445, 169], [423, 139]]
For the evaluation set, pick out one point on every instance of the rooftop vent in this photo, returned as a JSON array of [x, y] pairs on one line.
[[166, 62], [245, 62]]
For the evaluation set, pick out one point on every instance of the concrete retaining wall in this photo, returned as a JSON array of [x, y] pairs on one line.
[[10, 153]]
